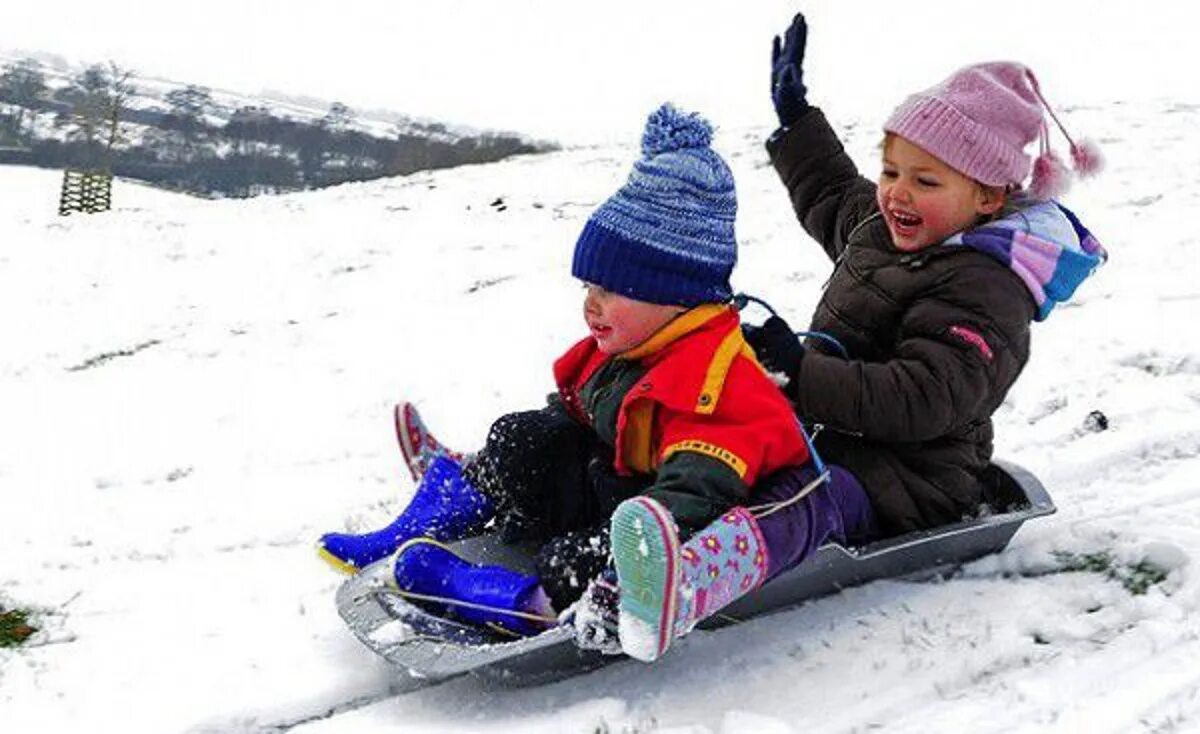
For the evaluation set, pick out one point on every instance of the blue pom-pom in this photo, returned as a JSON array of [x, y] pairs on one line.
[[668, 128]]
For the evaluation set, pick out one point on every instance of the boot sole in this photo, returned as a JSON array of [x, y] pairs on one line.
[[645, 548], [338, 564]]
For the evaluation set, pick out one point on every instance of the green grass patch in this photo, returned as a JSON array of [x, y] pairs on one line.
[[1137, 578], [14, 627]]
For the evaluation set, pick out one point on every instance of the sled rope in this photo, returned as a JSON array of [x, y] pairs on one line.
[[471, 605], [770, 508], [741, 300], [829, 339]]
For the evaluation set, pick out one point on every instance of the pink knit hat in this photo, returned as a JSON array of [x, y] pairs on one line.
[[979, 122]]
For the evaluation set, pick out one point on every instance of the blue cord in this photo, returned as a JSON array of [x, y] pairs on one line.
[[813, 456], [828, 339], [741, 300]]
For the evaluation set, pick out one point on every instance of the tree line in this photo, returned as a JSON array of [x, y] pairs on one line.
[[195, 146]]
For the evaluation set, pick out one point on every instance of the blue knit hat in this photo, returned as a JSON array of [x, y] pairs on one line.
[[666, 236]]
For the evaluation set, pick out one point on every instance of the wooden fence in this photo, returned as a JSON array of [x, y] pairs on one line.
[[85, 191]]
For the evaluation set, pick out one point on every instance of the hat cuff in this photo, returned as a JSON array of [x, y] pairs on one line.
[[641, 271], [960, 142]]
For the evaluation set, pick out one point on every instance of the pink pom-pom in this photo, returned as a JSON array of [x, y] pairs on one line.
[[1087, 157], [1051, 177]]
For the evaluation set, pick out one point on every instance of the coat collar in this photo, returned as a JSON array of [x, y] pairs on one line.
[[695, 378], [675, 329], [708, 339]]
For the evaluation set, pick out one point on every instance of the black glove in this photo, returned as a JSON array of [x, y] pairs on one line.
[[787, 72], [777, 347]]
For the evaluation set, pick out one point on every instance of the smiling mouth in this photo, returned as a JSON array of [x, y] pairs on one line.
[[905, 223]]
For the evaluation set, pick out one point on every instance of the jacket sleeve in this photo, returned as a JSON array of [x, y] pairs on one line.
[[954, 360], [696, 489], [828, 195], [710, 462]]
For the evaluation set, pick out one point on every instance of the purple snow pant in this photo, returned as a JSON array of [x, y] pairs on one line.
[[837, 510]]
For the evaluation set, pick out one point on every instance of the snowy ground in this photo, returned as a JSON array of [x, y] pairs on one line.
[[193, 391]]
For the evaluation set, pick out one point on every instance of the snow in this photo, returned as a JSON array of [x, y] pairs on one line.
[[638, 639], [160, 505], [392, 633]]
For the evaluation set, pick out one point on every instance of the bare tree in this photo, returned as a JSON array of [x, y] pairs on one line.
[[120, 89], [97, 97], [87, 96]]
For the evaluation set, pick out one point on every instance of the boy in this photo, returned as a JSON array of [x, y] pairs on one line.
[[664, 399]]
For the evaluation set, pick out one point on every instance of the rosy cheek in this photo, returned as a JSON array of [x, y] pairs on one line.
[[934, 219]]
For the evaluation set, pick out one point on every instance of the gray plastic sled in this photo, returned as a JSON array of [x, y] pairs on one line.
[[430, 647]]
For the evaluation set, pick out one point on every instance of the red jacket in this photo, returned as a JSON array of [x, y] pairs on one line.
[[703, 391]]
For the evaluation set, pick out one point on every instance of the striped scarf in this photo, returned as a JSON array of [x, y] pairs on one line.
[[1045, 244]]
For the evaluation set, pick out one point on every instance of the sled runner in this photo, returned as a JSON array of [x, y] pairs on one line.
[[429, 647]]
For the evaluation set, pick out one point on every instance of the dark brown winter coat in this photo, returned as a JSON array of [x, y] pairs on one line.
[[910, 412]]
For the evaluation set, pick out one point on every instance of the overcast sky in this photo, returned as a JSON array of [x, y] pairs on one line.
[[582, 72]]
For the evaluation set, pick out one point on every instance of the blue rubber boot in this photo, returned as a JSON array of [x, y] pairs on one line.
[[432, 576], [445, 507]]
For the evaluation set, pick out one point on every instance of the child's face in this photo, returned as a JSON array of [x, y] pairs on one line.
[[618, 323], [924, 201]]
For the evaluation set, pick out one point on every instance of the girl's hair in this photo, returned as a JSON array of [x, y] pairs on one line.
[[1010, 206]]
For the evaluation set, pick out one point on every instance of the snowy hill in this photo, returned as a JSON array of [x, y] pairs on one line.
[[217, 143], [193, 391], [150, 94]]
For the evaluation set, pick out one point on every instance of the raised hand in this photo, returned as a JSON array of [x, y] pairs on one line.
[[788, 92]]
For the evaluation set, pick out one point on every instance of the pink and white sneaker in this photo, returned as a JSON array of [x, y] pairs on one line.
[[417, 445]]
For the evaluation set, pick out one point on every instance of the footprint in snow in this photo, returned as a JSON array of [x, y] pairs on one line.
[[1143, 201], [1162, 365]]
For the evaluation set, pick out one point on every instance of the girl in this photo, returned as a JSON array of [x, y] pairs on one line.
[[940, 266]]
